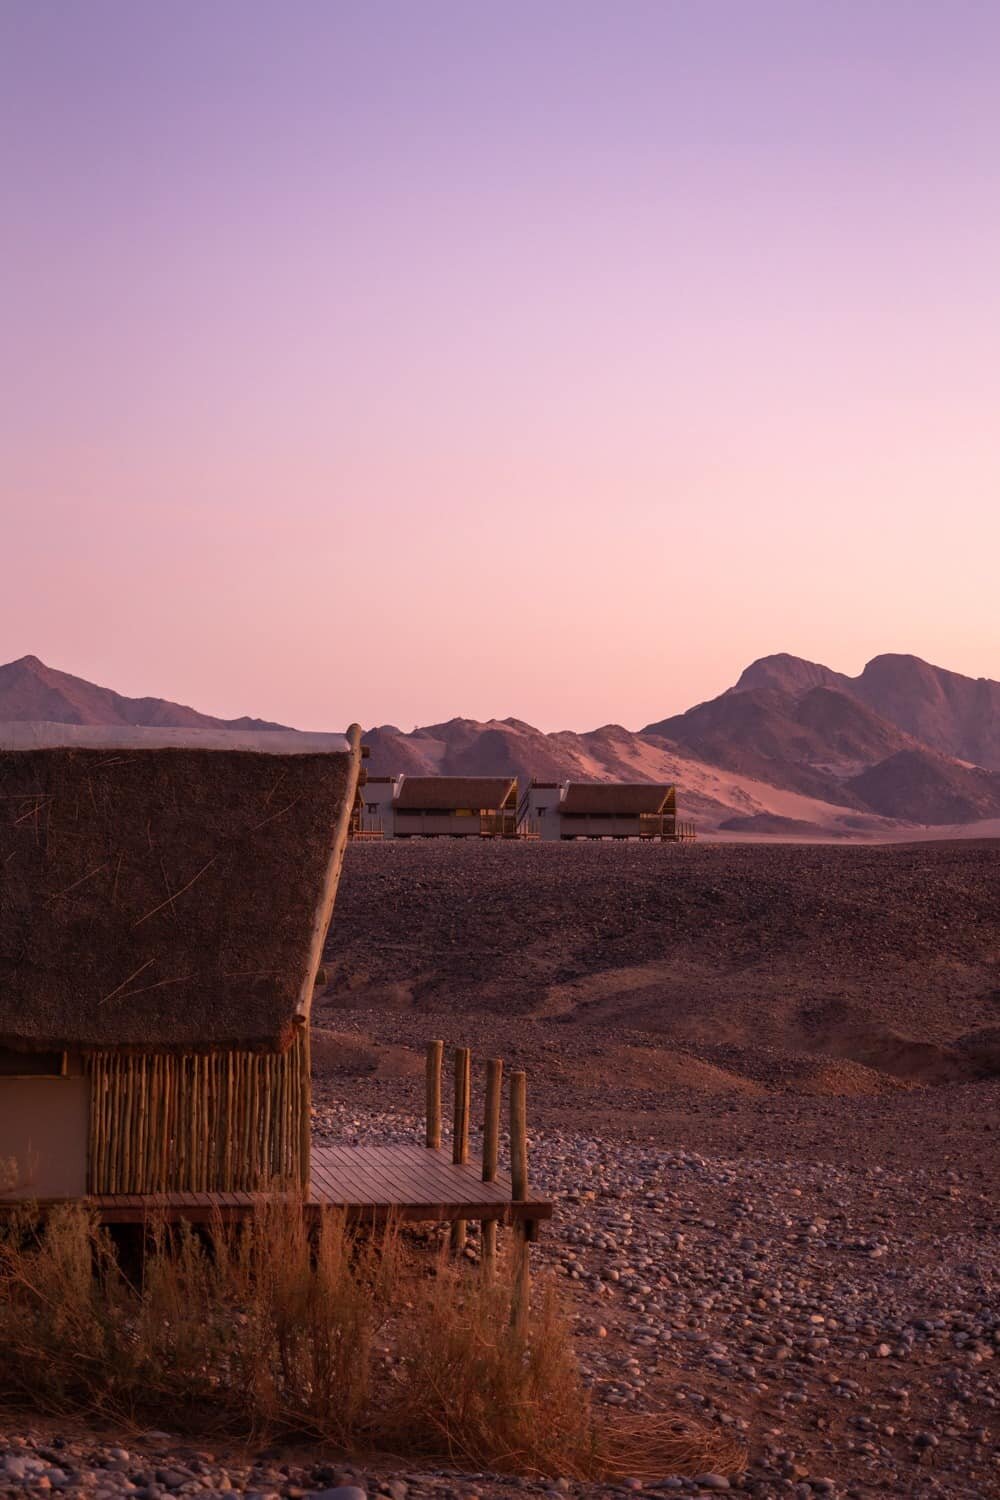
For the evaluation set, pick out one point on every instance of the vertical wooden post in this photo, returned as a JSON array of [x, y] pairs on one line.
[[460, 1134], [463, 1076], [520, 1304], [491, 1153], [305, 1105], [435, 1055], [518, 1137]]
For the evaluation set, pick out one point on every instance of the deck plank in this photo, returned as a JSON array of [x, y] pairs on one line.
[[367, 1179], [412, 1179], [370, 1181], [386, 1173]]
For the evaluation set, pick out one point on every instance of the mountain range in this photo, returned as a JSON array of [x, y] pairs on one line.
[[31, 690], [792, 749]]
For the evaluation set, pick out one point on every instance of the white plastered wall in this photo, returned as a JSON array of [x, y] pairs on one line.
[[379, 794], [543, 810]]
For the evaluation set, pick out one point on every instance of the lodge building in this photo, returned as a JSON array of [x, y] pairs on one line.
[[400, 807], [166, 895], [603, 810], [403, 807]]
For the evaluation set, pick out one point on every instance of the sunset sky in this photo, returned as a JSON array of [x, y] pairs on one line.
[[396, 361]]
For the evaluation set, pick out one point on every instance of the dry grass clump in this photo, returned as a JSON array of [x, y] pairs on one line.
[[473, 1392], [260, 1328], [266, 1328]]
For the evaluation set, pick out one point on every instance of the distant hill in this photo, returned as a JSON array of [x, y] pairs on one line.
[[31, 690], [952, 714], [793, 749], [897, 740], [811, 742], [787, 674], [919, 786]]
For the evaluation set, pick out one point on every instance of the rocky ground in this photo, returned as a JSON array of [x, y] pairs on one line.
[[765, 1096], [844, 1317], [772, 1148]]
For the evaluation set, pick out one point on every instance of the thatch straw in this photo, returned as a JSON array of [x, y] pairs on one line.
[[161, 901]]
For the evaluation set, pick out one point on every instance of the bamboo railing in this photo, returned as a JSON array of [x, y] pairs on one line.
[[523, 1229]]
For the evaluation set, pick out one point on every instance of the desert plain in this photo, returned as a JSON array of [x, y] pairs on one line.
[[764, 1093]]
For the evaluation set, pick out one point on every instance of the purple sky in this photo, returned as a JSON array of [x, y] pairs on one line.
[[393, 361]]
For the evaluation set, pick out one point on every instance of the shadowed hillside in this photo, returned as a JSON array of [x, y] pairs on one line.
[[855, 741], [746, 955]]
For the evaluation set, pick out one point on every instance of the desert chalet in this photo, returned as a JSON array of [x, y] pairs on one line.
[[394, 807]]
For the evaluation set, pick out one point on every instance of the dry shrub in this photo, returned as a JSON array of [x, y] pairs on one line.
[[471, 1390], [266, 1328], [260, 1328]]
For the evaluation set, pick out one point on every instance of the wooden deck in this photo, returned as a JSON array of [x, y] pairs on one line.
[[372, 1183]]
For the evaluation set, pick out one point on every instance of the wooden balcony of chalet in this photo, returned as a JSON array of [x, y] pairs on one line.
[[406, 1181], [498, 823], [667, 827], [372, 1184]]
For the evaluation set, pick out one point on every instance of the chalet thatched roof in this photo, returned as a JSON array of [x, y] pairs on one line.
[[444, 793], [166, 889], [623, 799]]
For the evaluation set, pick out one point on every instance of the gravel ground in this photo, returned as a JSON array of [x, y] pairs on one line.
[[846, 1320]]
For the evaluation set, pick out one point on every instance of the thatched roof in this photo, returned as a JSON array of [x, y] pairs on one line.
[[623, 799], [445, 793], [166, 889]]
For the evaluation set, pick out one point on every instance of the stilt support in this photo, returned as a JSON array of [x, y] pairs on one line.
[[491, 1154], [521, 1304], [460, 1134]]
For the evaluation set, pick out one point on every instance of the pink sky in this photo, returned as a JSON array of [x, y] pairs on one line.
[[388, 362]]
